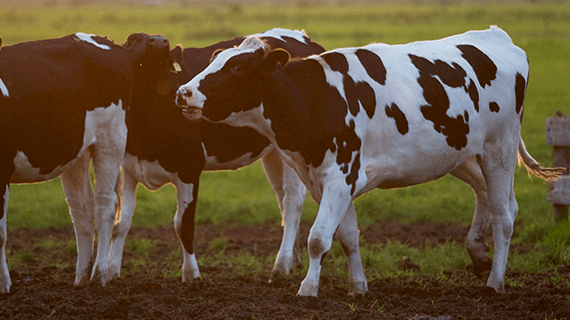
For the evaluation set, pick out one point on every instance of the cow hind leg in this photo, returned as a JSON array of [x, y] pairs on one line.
[[290, 193], [187, 197], [498, 165], [79, 196], [108, 155], [121, 228], [470, 172]]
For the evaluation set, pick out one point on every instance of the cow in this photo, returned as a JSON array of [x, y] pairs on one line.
[[164, 147], [64, 102], [382, 116]]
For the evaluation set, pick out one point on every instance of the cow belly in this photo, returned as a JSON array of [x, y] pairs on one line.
[[150, 174], [26, 173], [212, 163], [404, 173]]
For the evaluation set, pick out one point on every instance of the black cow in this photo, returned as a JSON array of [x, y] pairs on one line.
[[164, 147], [351, 120]]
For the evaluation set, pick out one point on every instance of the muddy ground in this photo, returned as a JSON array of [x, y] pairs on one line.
[[47, 292]]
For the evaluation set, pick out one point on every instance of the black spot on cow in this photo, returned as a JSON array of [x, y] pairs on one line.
[[520, 87], [336, 61], [494, 107], [454, 128], [373, 65], [367, 98], [484, 67], [354, 92], [394, 112], [473, 94]]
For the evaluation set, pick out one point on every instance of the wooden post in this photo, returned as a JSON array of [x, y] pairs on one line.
[[558, 135]]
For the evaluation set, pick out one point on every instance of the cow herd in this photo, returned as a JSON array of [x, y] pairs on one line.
[[337, 124]]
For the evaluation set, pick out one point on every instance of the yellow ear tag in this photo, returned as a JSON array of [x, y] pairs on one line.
[[176, 66]]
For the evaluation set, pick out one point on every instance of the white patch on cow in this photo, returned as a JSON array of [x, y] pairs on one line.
[[150, 174], [94, 122], [279, 33], [4, 89], [254, 119], [89, 39]]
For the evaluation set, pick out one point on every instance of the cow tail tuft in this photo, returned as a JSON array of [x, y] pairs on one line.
[[546, 173]]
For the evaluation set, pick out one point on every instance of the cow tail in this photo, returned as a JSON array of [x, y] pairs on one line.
[[548, 174], [119, 193]]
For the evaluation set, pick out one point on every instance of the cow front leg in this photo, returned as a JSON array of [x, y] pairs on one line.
[[5, 281], [120, 230], [76, 184], [290, 193], [332, 208], [348, 235], [187, 197]]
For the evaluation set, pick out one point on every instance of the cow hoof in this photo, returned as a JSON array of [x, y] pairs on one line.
[[98, 278], [114, 272], [357, 288], [5, 289], [308, 290], [482, 268]]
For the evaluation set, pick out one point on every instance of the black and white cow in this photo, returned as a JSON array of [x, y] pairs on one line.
[[63, 101], [164, 147], [381, 116]]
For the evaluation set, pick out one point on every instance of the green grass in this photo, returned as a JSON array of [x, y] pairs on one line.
[[244, 196]]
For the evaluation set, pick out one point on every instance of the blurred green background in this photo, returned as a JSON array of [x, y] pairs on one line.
[[245, 197]]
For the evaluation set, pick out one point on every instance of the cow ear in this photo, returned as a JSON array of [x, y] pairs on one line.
[[176, 58], [274, 57], [216, 52]]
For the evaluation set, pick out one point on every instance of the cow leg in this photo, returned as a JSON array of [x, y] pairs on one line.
[[121, 229], [108, 153], [290, 193], [332, 208], [187, 197], [78, 192], [498, 165], [5, 281], [348, 235], [470, 172]]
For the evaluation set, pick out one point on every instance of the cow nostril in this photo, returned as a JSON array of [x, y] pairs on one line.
[[180, 99]]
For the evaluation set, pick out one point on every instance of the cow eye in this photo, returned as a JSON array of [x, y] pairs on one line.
[[237, 69]]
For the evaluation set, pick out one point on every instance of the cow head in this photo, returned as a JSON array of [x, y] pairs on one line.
[[150, 52], [154, 64], [232, 83]]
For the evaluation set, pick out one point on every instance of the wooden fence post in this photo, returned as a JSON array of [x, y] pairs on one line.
[[558, 136]]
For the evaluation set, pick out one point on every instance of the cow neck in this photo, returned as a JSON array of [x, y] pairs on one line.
[[290, 104], [149, 110]]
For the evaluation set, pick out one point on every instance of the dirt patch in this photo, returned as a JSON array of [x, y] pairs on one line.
[[48, 292]]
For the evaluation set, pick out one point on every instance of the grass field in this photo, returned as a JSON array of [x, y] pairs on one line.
[[244, 197]]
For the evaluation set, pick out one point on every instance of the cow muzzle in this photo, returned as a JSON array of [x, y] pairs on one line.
[[184, 101]]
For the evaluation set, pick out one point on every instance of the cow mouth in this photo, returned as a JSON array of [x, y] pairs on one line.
[[191, 112]]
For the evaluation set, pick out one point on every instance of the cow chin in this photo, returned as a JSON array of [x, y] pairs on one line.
[[192, 113]]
